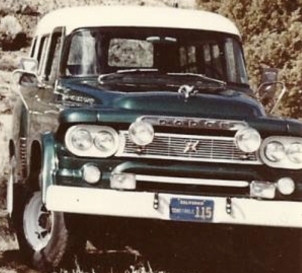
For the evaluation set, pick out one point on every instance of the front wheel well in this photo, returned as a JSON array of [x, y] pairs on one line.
[[11, 149], [35, 166]]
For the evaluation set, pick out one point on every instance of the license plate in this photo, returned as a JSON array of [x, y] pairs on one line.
[[182, 209]]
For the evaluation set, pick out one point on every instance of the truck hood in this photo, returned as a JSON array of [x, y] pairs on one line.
[[90, 104], [205, 105], [229, 104]]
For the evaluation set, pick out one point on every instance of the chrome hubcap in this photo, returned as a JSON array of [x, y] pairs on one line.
[[37, 223]]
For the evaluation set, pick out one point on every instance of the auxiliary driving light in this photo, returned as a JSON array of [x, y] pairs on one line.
[[123, 181], [261, 189], [248, 140], [141, 133], [286, 185], [91, 173]]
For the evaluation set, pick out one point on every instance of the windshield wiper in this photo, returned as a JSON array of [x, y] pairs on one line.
[[155, 77], [121, 74], [222, 84]]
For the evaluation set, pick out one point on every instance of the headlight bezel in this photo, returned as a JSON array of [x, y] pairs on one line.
[[94, 131], [286, 162]]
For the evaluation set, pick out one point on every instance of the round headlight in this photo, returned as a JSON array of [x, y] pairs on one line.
[[141, 133], [81, 139], [294, 152], [106, 141], [274, 151], [248, 140]]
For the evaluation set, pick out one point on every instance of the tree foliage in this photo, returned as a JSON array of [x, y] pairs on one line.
[[272, 37]]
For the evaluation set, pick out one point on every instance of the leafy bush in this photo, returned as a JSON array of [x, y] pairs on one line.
[[272, 37]]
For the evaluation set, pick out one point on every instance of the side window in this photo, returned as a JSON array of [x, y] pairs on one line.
[[216, 55], [82, 54], [205, 58], [235, 63], [33, 48], [42, 53], [53, 59], [212, 60], [188, 59]]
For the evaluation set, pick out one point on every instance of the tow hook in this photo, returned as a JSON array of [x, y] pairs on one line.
[[156, 201], [228, 206]]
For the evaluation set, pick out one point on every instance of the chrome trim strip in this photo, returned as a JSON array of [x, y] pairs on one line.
[[23, 155], [190, 159], [192, 181]]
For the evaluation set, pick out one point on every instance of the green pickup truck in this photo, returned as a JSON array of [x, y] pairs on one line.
[[146, 115]]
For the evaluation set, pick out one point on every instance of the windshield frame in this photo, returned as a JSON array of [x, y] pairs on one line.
[[128, 32]]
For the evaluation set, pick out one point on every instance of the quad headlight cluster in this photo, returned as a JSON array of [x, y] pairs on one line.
[[282, 152], [277, 151], [103, 141], [92, 141]]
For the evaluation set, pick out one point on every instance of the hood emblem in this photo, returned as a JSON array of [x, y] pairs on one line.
[[191, 147], [186, 90]]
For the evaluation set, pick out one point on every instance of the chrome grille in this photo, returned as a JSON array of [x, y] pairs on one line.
[[188, 148]]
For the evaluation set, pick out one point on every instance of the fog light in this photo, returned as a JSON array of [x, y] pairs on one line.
[[286, 185], [262, 189], [91, 173], [123, 181]]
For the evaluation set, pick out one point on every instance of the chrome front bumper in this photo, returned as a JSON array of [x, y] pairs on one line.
[[243, 211]]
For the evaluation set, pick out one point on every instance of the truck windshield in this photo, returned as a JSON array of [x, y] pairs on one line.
[[98, 51]]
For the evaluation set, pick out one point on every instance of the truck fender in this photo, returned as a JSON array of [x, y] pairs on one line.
[[49, 163], [10, 188]]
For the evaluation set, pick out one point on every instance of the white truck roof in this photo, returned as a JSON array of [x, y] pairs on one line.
[[139, 16]]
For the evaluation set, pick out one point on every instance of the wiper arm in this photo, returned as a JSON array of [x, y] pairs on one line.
[[222, 84], [148, 77], [121, 73]]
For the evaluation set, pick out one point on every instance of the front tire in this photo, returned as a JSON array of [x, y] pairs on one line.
[[44, 239]]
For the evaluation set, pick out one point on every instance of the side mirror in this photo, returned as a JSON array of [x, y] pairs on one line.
[[29, 64], [271, 91], [269, 75], [26, 78]]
